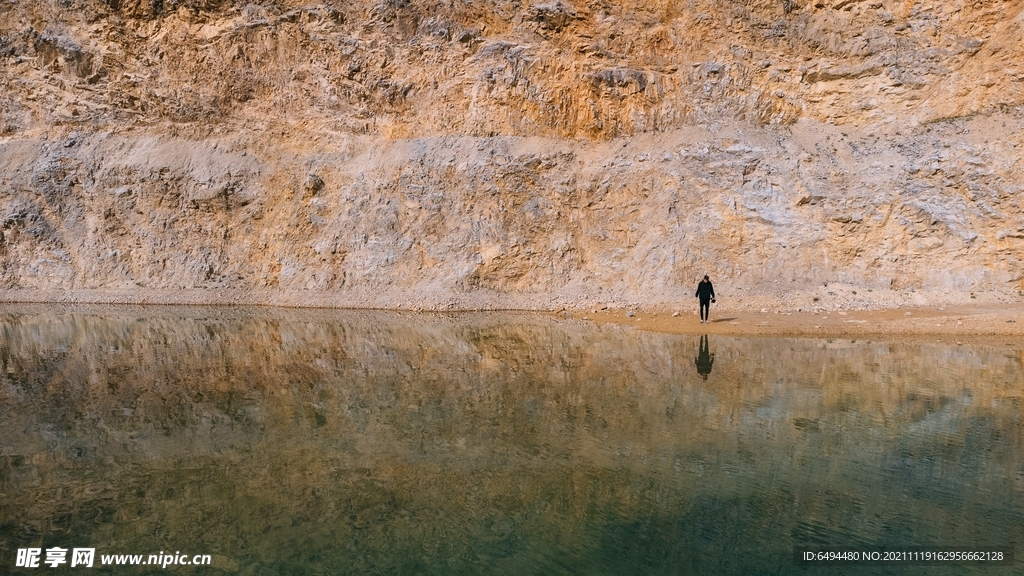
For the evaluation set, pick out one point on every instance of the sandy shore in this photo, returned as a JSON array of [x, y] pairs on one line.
[[985, 318], [967, 320]]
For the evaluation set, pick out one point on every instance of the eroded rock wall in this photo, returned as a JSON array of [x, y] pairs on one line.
[[507, 154]]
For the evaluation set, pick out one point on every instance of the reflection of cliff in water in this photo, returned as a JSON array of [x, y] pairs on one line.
[[365, 442]]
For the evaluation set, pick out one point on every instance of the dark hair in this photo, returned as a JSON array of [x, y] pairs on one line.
[[706, 278]]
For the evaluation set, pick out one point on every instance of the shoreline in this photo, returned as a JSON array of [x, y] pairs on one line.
[[983, 319], [967, 320]]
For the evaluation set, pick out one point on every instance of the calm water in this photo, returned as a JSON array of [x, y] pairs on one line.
[[298, 442]]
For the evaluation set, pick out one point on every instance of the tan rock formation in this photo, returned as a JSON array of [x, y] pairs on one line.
[[507, 154]]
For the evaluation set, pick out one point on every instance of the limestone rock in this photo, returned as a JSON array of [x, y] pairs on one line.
[[497, 154]]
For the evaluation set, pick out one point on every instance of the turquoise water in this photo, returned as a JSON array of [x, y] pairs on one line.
[[301, 442]]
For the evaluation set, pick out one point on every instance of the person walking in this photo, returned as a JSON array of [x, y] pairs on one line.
[[706, 294]]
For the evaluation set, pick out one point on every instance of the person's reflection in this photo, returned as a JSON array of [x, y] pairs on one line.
[[704, 358]]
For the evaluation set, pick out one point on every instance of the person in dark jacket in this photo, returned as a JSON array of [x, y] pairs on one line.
[[706, 294]]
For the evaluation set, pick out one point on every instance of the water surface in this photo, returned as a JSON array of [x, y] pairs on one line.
[[301, 442]]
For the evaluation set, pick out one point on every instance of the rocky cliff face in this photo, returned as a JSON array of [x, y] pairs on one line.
[[510, 154]]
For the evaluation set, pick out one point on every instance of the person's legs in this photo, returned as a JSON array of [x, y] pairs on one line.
[[705, 308]]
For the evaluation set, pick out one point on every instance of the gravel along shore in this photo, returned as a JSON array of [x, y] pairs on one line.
[[967, 320]]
